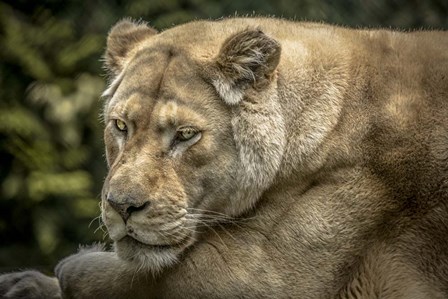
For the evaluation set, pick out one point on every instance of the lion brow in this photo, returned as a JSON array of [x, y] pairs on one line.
[[113, 86]]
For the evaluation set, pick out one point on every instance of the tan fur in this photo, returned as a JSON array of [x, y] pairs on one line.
[[321, 157]]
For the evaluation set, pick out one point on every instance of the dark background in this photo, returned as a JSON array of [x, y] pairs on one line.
[[51, 150]]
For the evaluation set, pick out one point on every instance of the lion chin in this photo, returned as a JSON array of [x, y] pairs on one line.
[[145, 248], [152, 258]]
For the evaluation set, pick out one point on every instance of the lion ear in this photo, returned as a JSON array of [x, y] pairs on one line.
[[122, 38], [248, 58]]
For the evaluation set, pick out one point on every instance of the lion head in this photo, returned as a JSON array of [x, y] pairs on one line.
[[192, 129]]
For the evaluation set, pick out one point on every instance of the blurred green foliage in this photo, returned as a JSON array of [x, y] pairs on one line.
[[51, 151]]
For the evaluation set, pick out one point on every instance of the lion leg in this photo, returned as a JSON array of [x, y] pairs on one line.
[[101, 275]]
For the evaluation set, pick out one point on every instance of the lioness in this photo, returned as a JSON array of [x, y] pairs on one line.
[[262, 158]]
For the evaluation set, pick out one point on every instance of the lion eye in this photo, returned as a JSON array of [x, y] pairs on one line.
[[121, 125], [187, 133]]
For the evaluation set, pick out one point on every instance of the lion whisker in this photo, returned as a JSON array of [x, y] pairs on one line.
[[94, 219], [209, 211], [214, 231]]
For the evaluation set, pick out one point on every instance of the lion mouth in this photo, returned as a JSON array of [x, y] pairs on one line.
[[156, 247]]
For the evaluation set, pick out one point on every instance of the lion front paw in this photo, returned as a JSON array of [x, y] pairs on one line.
[[80, 275], [29, 284]]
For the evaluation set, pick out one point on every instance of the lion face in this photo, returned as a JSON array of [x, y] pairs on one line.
[[171, 148], [171, 154]]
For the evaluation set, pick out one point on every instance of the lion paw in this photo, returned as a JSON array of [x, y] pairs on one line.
[[29, 284]]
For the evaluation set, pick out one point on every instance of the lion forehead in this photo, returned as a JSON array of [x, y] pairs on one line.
[[141, 76]]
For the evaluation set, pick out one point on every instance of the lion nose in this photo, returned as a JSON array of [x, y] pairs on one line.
[[125, 209]]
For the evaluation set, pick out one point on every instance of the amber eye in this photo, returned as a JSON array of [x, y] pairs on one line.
[[121, 125], [184, 134]]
